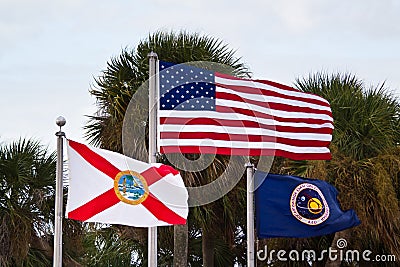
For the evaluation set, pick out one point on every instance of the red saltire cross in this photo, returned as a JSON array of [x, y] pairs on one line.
[[109, 198]]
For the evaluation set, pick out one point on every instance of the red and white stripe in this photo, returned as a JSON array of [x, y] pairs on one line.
[[251, 118]]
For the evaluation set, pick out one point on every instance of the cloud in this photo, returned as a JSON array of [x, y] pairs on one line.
[[52, 49], [297, 16], [367, 19]]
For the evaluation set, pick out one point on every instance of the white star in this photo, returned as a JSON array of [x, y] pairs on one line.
[[173, 106]]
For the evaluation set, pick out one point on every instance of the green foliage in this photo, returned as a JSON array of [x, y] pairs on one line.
[[365, 165], [125, 73], [113, 91], [366, 119], [104, 246], [27, 176]]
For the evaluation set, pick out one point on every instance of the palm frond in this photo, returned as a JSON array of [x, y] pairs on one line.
[[27, 180]]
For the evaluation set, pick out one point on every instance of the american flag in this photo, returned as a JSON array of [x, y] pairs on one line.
[[206, 112]]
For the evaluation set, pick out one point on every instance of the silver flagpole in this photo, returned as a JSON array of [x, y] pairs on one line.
[[57, 251], [152, 234], [250, 215]]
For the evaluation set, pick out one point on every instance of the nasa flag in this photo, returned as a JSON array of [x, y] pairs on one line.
[[108, 187], [292, 206]]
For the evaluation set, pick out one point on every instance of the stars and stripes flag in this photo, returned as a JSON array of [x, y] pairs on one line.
[[206, 112], [108, 187]]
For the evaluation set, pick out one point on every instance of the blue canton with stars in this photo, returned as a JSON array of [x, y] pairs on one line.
[[184, 87]]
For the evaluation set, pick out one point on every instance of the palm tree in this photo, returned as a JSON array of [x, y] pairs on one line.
[[27, 175], [104, 246], [365, 165], [27, 188], [27, 185], [113, 91]]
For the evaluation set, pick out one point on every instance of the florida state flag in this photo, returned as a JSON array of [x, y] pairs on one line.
[[108, 187]]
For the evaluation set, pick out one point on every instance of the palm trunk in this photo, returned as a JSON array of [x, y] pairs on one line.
[[180, 245], [47, 249], [208, 247], [338, 235]]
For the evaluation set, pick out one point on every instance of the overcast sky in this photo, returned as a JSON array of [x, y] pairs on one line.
[[51, 50]]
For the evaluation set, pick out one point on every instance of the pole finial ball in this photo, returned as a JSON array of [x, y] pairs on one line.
[[60, 121]]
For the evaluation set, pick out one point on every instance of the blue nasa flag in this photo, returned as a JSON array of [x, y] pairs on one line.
[[292, 206]]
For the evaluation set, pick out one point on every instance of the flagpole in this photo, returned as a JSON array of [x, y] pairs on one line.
[[250, 214], [57, 251], [152, 233]]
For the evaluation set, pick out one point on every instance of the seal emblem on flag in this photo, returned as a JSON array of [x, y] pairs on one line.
[[131, 187], [308, 204]]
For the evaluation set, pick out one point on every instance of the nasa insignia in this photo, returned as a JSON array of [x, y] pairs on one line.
[[308, 204]]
